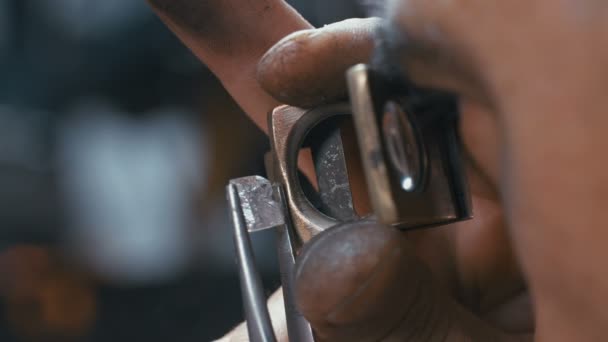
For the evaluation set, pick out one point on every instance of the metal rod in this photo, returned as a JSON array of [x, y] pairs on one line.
[[259, 325], [298, 328]]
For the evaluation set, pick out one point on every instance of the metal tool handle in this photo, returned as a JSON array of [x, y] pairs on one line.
[[257, 205], [259, 325]]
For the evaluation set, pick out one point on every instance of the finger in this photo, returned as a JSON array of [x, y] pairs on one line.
[[361, 281], [230, 36], [276, 308], [308, 67]]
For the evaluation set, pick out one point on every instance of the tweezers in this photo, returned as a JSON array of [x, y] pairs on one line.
[[255, 205]]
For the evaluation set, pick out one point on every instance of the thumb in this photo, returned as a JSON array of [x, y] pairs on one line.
[[308, 67], [361, 282]]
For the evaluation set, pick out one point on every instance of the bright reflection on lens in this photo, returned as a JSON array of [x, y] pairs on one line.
[[407, 184], [402, 146]]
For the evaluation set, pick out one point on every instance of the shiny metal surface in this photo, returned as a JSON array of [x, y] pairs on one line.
[[288, 128], [260, 208], [325, 141], [254, 301]]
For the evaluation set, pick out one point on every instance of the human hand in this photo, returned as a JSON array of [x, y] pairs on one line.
[[531, 78], [532, 120], [369, 282]]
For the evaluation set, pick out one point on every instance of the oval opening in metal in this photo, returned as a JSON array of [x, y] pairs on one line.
[[402, 146]]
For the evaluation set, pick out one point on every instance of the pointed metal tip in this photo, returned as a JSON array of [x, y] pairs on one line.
[[258, 203]]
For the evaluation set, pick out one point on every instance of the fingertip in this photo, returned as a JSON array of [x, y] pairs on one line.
[[351, 275], [361, 281], [307, 67], [283, 70]]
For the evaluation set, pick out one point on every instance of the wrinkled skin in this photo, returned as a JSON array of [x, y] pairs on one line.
[[532, 78]]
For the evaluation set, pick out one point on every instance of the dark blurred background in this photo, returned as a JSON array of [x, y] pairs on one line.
[[115, 147]]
